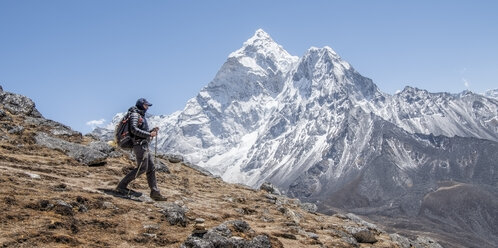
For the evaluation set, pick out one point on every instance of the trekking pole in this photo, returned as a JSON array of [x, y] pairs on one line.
[[141, 162], [155, 152], [145, 156]]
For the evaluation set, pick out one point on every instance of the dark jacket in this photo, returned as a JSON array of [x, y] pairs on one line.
[[138, 126]]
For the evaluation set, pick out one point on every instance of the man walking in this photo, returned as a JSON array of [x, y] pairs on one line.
[[141, 136]]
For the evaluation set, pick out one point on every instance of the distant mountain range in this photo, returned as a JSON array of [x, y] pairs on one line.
[[320, 131]]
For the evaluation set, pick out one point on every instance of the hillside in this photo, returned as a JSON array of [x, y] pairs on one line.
[[56, 189]]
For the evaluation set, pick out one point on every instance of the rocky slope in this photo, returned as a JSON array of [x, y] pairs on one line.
[[56, 191]]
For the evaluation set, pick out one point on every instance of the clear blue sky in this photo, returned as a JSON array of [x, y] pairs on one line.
[[87, 60]]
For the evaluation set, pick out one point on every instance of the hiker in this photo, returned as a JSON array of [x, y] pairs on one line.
[[141, 135]]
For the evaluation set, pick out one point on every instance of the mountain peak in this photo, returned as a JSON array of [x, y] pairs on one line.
[[324, 51], [261, 34], [259, 40], [261, 47], [326, 59]]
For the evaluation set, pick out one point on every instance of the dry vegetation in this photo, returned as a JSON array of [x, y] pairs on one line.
[[48, 199]]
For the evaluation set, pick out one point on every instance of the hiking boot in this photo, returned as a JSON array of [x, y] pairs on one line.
[[123, 191], [156, 196]]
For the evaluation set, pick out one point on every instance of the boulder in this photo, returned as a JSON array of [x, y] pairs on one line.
[[4, 116], [419, 242], [199, 220], [16, 130], [239, 225], [402, 241], [174, 213], [18, 104], [309, 207], [81, 153], [423, 241], [365, 236], [222, 236], [362, 222], [105, 148], [55, 128], [174, 158], [270, 188], [161, 167], [63, 208]]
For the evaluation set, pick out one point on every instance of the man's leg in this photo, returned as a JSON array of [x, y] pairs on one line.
[[151, 174], [151, 180], [141, 163]]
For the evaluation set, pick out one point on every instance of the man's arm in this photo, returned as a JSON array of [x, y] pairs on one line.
[[134, 127]]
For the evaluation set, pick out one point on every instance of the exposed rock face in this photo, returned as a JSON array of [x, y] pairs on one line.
[[401, 170], [18, 105], [81, 153], [55, 128], [51, 134]]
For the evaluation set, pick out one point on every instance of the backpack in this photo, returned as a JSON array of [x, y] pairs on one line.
[[122, 134]]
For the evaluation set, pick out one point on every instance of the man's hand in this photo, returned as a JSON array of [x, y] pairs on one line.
[[153, 133]]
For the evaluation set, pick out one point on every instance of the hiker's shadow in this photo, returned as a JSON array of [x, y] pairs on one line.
[[130, 195]]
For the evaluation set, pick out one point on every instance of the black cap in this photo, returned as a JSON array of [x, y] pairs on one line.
[[140, 103]]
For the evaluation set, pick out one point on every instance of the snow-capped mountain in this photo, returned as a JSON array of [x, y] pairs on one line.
[[492, 93], [268, 114], [318, 130]]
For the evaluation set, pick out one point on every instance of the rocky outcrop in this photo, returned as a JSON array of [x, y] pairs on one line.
[[419, 242], [21, 106], [174, 213], [174, 158], [18, 104], [270, 188], [4, 116], [81, 153], [19, 115], [223, 235], [55, 128], [104, 148], [161, 167], [309, 207]]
